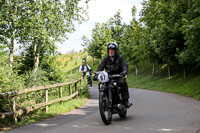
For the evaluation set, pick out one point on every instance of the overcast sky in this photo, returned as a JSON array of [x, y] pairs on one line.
[[99, 11]]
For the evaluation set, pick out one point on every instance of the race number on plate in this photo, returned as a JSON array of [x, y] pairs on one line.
[[103, 77]]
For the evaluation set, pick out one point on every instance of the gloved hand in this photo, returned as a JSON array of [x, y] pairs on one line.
[[124, 73], [108, 71]]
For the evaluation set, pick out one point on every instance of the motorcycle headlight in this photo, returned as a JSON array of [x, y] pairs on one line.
[[114, 84]]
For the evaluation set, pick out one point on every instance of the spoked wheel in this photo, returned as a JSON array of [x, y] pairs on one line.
[[122, 113], [105, 111]]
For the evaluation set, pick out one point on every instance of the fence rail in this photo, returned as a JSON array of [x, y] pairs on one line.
[[14, 94]]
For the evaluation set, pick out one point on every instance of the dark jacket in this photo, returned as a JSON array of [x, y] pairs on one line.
[[114, 66]]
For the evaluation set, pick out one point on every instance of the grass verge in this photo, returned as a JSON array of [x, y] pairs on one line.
[[176, 84]]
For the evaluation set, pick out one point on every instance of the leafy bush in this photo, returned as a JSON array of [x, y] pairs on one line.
[[53, 73], [35, 78], [9, 81]]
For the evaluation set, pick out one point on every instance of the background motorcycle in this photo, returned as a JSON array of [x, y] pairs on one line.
[[89, 77]]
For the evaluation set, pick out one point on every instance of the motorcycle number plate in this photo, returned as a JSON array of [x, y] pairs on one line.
[[103, 77]]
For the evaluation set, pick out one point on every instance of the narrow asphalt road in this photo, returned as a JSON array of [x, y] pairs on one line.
[[153, 112]]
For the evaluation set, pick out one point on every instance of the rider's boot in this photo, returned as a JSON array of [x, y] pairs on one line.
[[127, 103]]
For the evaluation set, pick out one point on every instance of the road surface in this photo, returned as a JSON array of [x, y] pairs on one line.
[[153, 112]]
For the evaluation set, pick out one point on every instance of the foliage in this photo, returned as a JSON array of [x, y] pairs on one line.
[[166, 33], [9, 81], [101, 36], [191, 31], [132, 45], [2, 50], [38, 24], [115, 25], [35, 26], [35, 78], [49, 65]]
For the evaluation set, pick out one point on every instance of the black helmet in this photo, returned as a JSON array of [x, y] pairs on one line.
[[113, 45]]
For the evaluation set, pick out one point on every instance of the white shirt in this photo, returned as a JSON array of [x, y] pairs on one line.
[[84, 69]]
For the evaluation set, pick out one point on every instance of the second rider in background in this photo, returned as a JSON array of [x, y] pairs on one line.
[[86, 70]]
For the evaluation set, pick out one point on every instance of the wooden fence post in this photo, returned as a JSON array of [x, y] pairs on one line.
[[46, 99], [70, 90], [81, 86], [76, 89], [61, 93], [14, 109]]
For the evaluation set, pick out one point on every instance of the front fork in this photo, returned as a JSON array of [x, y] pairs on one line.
[[109, 98], [108, 92]]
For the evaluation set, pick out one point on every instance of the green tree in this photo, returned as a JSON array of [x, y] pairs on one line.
[[101, 36], [90, 47], [163, 20], [132, 43], [115, 24], [9, 20], [191, 30], [47, 22]]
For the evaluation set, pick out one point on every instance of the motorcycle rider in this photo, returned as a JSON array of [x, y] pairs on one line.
[[115, 64], [86, 69]]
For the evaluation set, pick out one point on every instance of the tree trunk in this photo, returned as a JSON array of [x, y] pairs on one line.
[[12, 43], [99, 61], [153, 71], [136, 69], [34, 52], [92, 61], [185, 71], [12, 49], [169, 70], [37, 56]]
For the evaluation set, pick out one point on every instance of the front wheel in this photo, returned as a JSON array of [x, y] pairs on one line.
[[105, 111], [89, 81], [122, 113]]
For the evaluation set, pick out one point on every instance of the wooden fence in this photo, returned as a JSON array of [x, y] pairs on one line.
[[72, 88]]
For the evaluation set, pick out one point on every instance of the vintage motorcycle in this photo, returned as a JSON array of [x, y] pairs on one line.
[[89, 77], [110, 97]]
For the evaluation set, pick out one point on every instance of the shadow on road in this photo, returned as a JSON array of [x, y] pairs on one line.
[[116, 118]]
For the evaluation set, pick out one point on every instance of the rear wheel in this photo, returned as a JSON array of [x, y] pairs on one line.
[[105, 111]]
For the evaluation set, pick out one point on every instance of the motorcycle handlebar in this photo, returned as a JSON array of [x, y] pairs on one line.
[[112, 76], [116, 76]]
